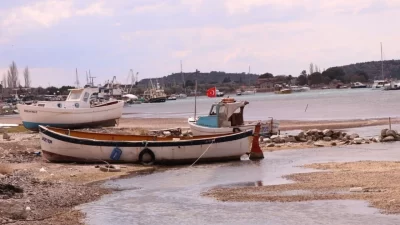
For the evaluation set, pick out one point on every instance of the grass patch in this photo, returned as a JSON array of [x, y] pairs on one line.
[[18, 129]]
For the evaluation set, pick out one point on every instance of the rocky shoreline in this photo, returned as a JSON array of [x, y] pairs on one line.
[[324, 138]]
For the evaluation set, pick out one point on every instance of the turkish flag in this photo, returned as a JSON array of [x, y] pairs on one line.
[[212, 92]]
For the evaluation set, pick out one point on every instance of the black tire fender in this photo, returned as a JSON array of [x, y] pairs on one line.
[[144, 152], [236, 130]]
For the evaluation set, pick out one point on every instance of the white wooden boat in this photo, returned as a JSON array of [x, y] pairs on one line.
[[76, 112], [226, 116], [60, 145], [379, 84]]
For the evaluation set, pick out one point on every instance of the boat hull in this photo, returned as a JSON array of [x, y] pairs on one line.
[[266, 128], [157, 100], [361, 86], [59, 147], [33, 116]]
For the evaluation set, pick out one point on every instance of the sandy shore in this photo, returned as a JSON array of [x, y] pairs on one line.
[[33, 191], [163, 123], [371, 181]]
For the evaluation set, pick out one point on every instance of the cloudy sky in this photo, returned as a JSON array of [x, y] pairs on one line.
[[110, 37]]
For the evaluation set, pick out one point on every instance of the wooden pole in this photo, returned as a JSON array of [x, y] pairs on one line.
[[195, 100]]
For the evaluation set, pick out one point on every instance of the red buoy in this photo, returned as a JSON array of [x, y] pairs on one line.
[[256, 152]]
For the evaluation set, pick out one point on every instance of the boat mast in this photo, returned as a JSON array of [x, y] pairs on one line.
[[183, 79], [382, 62]]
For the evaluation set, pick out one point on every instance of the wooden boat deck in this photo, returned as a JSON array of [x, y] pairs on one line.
[[124, 137]]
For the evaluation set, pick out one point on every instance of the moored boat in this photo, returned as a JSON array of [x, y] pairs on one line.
[[284, 91], [155, 94], [171, 97], [358, 85], [379, 84], [299, 89], [226, 116], [77, 111], [60, 145]]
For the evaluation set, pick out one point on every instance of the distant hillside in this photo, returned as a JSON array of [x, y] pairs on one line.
[[391, 69], [213, 77]]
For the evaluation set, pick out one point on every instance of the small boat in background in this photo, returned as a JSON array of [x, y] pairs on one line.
[[392, 85], [172, 97], [181, 96], [78, 111], [358, 85], [284, 91], [59, 145], [154, 94], [299, 89], [219, 93], [379, 84]]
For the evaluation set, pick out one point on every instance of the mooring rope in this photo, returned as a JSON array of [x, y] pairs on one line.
[[203, 153]]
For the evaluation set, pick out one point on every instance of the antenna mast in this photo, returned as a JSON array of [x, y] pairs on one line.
[[382, 62], [183, 79], [77, 79]]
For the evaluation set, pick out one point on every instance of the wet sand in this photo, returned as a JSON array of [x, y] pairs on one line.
[[373, 181], [285, 125]]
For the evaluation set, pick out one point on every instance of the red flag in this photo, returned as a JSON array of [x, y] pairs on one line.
[[212, 92]]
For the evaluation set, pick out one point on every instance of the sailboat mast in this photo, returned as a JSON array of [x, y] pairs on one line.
[[382, 62], [183, 79]]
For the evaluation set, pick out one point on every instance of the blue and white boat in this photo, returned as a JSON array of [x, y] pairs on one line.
[[78, 111], [225, 117]]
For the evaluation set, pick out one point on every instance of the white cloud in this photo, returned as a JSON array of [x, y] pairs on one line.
[[149, 8], [97, 8], [43, 14]]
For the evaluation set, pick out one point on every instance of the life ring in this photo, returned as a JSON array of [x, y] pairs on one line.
[[147, 157], [236, 130], [77, 105], [59, 105]]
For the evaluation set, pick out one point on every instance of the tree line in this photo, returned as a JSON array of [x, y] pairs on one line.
[[11, 78], [333, 75]]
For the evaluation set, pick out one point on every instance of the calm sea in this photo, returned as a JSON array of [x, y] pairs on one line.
[[331, 104]]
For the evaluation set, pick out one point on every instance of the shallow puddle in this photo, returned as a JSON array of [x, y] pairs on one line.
[[174, 196]]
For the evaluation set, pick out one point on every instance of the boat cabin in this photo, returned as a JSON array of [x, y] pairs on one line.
[[227, 113]]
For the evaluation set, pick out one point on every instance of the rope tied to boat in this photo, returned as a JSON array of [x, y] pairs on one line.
[[203, 153], [145, 143]]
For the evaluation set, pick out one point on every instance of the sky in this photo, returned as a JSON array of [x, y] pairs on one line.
[[111, 37]]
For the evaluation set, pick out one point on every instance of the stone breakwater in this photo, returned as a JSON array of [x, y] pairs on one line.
[[328, 137]]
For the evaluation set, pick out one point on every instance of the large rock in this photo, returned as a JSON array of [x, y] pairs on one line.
[[383, 132], [376, 139], [354, 136], [319, 144], [389, 139], [327, 139], [301, 135], [312, 132], [327, 132], [392, 133], [358, 140], [267, 140], [289, 139]]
